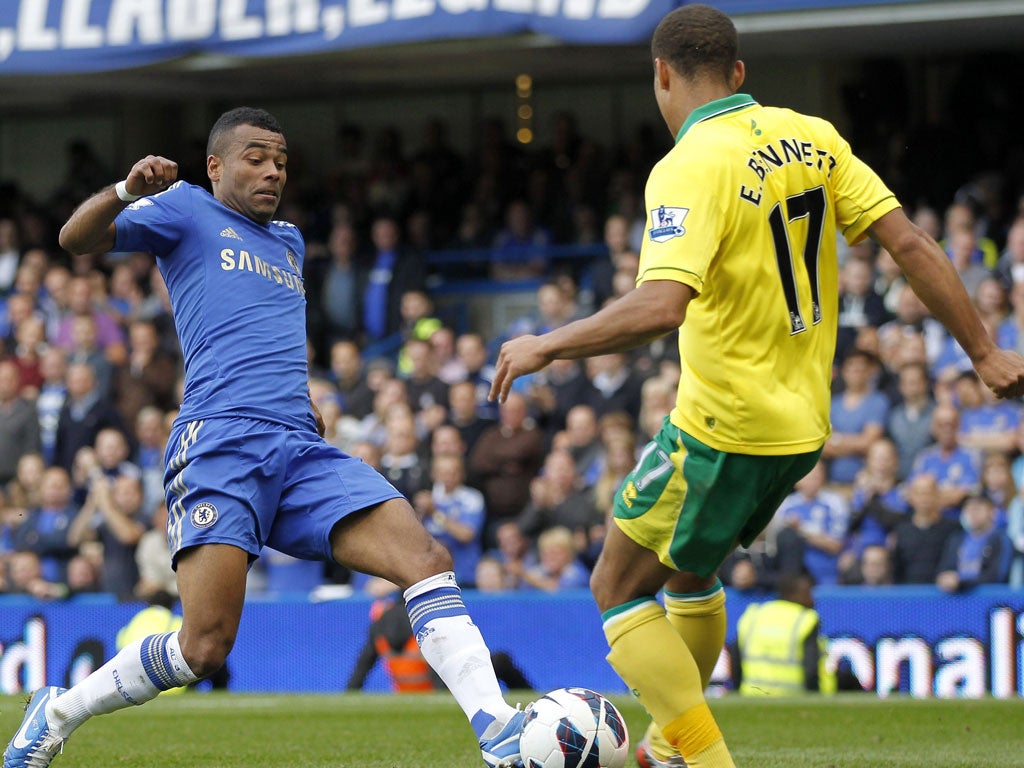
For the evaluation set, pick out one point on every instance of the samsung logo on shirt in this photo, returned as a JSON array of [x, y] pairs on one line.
[[244, 261]]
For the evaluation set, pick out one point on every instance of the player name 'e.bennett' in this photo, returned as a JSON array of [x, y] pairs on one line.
[[244, 261], [766, 159]]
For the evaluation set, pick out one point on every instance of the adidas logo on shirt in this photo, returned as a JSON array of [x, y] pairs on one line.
[[229, 232]]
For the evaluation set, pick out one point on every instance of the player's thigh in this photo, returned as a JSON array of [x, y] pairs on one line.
[[335, 506], [625, 571], [211, 586], [690, 503], [389, 541]]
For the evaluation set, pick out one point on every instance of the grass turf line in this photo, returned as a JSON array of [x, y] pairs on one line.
[[418, 731]]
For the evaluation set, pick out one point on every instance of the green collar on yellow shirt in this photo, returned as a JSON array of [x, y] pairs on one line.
[[714, 109]]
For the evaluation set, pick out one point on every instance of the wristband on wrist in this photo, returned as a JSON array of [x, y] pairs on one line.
[[123, 194]]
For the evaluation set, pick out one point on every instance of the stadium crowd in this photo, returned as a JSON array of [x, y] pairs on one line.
[[918, 483]]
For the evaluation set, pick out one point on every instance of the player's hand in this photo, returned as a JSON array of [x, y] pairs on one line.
[[150, 175], [1003, 372], [518, 357]]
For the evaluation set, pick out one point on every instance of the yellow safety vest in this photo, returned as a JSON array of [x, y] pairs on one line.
[[771, 640]]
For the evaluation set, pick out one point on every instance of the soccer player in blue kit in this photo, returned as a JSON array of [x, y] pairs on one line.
[[245, 465]]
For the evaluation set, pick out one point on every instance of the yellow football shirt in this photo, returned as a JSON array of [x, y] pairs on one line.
[[745, 209]]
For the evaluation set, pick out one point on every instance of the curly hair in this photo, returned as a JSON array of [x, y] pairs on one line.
[[696, 40]]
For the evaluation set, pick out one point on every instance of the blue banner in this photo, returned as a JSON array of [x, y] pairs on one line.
[[907, 639], [63, 36]]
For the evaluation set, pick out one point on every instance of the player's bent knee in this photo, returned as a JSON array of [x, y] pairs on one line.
[[205, 654]]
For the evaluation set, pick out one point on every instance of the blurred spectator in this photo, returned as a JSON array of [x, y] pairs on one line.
[[978, 553], [25, 577], [910, 422], [913, 317], [858, 414], [26, 353], [85, 412], [505, 459], [471, 351], [463, 413], [514, 551], [149, 376], [336, 306], [557, 498], [617, 385], [962, 247], [956, 469], [919, 542], [392, 272], [448, 366], [150, 441], [490, 575], [872, 569], [19, 425], [555, 308], [111, 516], [1010, 333], [350, 379], [997, 484], [583, 442], [52, 394], [112, 454], [109, 337], [859, 305], [1010, 269], [877, 506], [24, 491], [601, 271], [519, 250], [85, 350], [10, 253], [986, 424], [454, 514], [401, 462], [372, 426], [45, 529], [556, 390], [425, 392], [557, 567], [83, 576], [153, 558], [813, 523], [992, 302], [619, 449]]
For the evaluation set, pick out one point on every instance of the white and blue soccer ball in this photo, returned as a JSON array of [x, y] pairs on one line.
[[574, 728]]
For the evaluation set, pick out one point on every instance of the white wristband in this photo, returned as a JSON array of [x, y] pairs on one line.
[[123, 194]]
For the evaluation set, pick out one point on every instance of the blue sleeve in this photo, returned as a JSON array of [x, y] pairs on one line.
[[155, 224]]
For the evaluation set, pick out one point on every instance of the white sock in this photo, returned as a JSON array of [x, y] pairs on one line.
[[139, 672], [454, 647]]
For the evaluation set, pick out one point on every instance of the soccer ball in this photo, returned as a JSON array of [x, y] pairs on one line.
[[573, 728]]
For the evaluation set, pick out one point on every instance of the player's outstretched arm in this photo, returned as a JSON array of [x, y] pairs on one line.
[[936, 282], [642, 315], [91, 227]]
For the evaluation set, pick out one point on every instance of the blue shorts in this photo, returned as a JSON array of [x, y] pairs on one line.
[[250, 483]]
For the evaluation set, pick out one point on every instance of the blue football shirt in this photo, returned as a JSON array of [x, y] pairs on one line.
[[239, 303]]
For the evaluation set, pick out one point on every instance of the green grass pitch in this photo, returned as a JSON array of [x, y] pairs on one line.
[[380, 731]]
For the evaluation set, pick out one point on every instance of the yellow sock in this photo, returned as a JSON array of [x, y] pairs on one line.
[[700, 620], [695, 734], [641, 639]]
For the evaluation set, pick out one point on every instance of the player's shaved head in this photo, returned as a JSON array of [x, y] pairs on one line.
[[697, 39], [259, 118]]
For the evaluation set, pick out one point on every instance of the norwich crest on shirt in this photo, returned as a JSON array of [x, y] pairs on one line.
[[667, 223]]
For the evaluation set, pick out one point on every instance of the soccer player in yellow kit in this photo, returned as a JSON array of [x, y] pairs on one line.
[[741, 243]]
